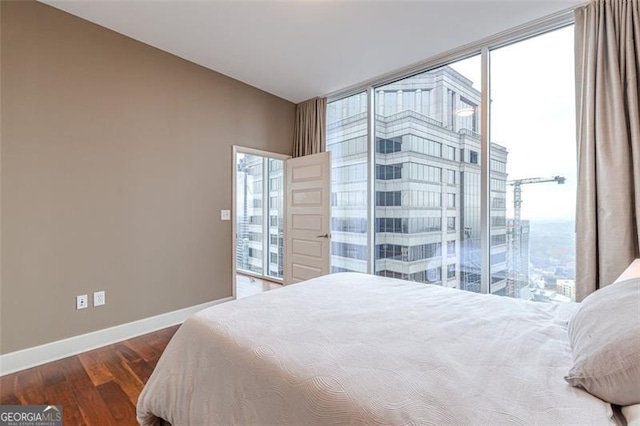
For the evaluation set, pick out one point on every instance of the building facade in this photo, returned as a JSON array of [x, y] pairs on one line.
[[566, 288], [427, 183], [259, 215], [519, 278]]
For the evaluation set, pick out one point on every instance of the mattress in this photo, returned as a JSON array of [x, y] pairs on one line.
[[360, 349]]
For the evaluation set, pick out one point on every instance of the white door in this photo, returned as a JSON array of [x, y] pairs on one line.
[[307, 217]]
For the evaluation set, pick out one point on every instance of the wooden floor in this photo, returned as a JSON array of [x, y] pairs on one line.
[[101, 387], [98, 387]]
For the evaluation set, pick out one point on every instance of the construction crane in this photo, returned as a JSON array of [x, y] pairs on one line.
[[514, 269]]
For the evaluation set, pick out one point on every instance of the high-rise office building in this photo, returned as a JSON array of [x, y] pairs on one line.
[[519, 278], [427, 183], [259, 215]]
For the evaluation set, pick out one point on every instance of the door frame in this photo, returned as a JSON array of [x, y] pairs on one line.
[[238, 149]]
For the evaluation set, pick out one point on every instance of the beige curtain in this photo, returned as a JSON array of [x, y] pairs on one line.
[[608, 127], [309, 134]]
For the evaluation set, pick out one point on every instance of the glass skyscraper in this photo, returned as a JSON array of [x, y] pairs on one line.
[[427, 183]]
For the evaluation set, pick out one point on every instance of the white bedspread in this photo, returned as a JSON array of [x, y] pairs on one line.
[[359, 349]]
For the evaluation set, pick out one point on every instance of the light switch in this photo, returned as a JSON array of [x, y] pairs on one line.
[[225, 214]]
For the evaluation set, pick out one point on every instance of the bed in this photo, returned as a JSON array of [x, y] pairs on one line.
[[359, 349]]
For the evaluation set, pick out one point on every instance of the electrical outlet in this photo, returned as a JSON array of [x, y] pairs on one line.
[[99, 298], [82, 301], [225, 214]]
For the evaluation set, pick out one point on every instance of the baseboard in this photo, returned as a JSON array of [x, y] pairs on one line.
[[31, 357]]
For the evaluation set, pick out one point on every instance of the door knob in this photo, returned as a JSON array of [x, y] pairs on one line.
[[323, 236]]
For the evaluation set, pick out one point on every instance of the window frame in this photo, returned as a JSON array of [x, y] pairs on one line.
[[375, 86]]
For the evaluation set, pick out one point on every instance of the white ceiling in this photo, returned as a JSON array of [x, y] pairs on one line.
[[301, 49]]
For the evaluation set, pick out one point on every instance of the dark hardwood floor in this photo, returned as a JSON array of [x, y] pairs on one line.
[[98, 387], [101, 387]]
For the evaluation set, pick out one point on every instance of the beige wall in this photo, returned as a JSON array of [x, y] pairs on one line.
[[115, 164]]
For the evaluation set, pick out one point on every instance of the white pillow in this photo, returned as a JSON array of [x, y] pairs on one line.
[[632, 414], [605, 339]]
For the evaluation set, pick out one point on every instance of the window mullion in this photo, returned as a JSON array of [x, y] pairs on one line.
[[266, 219], [371, 176], [485, 248]]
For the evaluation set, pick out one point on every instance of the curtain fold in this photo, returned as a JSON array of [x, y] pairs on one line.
[[608, 135], [309, 135]]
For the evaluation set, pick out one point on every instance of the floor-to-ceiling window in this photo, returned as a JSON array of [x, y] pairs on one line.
[[427, 183], [533, 118], [347, 139], [422, 142], [259, 215]]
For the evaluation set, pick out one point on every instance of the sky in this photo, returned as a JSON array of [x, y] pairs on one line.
[[533, 116]]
